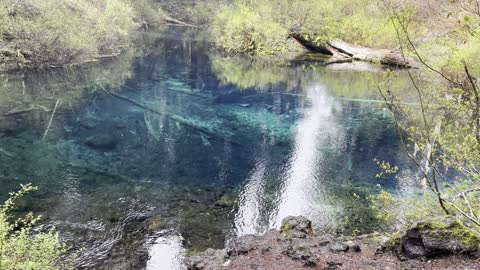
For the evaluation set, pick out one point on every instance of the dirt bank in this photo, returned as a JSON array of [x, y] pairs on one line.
[[297, 247]]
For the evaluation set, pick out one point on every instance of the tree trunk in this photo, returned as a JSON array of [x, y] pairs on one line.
[[341, 52]]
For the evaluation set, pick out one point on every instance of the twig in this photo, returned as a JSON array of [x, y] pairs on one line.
[[477, 101]]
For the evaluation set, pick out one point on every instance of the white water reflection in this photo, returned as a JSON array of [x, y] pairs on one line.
[[247, 219], [301, 192], [249, 215], [302, 184], [167, 253]]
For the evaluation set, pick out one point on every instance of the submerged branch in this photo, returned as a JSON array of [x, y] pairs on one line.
[[172, 116], [59, 101]]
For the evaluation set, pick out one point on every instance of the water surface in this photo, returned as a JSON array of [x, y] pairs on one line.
[[174, 147]]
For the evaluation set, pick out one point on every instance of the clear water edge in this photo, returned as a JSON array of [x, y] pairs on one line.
[[200, 149]]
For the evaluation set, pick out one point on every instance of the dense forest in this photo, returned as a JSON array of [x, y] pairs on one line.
[[435, 43]]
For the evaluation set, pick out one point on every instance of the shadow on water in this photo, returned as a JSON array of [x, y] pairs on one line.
[[171, 139]]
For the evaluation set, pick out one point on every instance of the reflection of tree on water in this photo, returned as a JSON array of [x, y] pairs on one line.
[[28, 99], [245, 73], [248, 73]]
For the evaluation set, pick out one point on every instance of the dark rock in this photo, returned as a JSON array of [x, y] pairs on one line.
[[296, 227], [301, 252], [436, 236], [206, 260], [333, 265], [88, 123], [121, 125], [266, 250], [339, 247], [354, 247], [243, 245], [102, 141], [325, 239], [9, 126]]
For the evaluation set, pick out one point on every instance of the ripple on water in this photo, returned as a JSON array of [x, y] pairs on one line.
[[191, 153]]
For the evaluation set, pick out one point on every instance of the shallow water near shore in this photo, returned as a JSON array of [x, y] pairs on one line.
[[172, 148]]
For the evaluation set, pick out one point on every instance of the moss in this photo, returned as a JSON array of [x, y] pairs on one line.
[[193, 252], [393, 241], [449, 227], [286, 229]]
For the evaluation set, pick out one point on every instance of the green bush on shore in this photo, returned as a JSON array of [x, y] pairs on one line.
[[23, 248], [50, 32], [261, 27]]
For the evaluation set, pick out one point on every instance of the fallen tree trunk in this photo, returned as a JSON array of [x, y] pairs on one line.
[[382, 56], [342, 52], [177, 118], [178, 22]]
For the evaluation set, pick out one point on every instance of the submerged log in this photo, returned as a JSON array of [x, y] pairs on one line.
[[341, 51], [177, 118]]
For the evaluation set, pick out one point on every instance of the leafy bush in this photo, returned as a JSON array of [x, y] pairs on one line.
[[242, 28], [261, 27], [442, 134], [64, 32], [22, 247], [147, 13]]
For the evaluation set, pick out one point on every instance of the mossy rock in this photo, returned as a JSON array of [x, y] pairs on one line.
[[296, 227], [437, 236]]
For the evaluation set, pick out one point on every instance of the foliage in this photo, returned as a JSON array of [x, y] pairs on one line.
[[147, 13], [22, 247], [243, 28], [202, 12], [262, 27], [64, 32], [461, 42], [247, 73], [442, 135], [402, 211]]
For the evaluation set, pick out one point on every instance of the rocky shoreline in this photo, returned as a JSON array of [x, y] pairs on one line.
[[441, 243]]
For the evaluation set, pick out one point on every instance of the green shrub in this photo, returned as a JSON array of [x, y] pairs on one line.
[[22, 247], [147, 13], [261, 27], [64, 32], [241, 28]]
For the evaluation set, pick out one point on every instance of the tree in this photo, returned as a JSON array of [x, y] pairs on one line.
[[442, 135]]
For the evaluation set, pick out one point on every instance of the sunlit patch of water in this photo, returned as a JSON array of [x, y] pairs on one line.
[[166, 252], [302, 182]]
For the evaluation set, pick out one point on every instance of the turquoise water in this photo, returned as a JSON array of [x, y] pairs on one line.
[[173, 139]]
